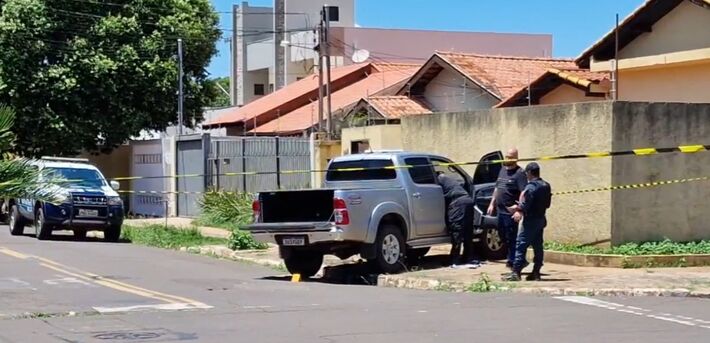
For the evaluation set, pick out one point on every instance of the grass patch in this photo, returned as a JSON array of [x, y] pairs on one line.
[[229, 211], [485, 285], [168, 238], [665, 247]]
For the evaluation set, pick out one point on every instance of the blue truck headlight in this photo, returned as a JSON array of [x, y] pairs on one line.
[[115, 201]]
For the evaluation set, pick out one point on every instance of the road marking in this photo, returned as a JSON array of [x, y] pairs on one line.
[[13, 253], [677, 319], [110, 283], [67, 280], [158, 307]]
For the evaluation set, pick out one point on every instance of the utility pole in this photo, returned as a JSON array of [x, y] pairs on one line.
[[180, 94], [320, 75], [615, 82], [329, 124]]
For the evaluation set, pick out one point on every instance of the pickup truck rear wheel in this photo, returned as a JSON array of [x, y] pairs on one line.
[[492, 246], [42, 230], [390, 249], [17, 223], [305, 263]]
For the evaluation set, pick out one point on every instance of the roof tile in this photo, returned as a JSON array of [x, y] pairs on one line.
[[397, 106], [503, 75]]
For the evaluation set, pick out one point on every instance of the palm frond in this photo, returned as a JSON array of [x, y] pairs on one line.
[[7, 119]]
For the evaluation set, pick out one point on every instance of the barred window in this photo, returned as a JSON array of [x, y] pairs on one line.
[[148, 158]]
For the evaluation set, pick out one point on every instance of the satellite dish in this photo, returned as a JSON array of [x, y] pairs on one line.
[[360, 56]]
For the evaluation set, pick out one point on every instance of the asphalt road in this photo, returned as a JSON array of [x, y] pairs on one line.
[[71, 291]]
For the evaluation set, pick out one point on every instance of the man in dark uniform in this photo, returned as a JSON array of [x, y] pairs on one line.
[[459, 218], [534, 202], [511, 182]]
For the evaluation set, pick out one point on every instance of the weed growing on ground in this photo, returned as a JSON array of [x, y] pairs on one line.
[[167, 237], [665, 247]]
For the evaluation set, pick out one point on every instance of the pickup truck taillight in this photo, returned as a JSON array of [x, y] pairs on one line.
[[256, 208], [340, 212]]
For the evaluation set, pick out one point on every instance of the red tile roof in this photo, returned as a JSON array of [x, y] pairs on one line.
[[397, 106], [502, 76], [581, 78], [307, 116], [299, 91]]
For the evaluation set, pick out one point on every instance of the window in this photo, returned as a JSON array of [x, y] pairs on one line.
[[271, 88], [451, 171], [374, 170], [78, 176], [258, 89], [421, 172], [357, 147], [333, 14]]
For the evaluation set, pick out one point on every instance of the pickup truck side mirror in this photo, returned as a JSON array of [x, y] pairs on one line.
[[115, 185]]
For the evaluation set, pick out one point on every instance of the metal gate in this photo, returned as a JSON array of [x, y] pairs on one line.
[[269, 156], [192, 152], [147, 161]]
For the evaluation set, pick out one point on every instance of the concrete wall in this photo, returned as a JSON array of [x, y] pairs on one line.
[[447, 93], [680, 83], [380, 137], [115, 164], [565, 94], [678, 211], [537, 130], [324, 151], [684, 28]]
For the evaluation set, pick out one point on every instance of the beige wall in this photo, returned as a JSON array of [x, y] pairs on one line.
[[687, 27], [380, 137], [537, 130], [324, 152], [565, 94], [115, 164], [678, 211], [685, 83], [446, 93]]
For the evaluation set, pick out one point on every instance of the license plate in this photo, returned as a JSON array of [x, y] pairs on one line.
[[293, 241], [88, 213]]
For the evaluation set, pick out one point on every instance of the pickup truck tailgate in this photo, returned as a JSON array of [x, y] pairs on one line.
[[297, 207]]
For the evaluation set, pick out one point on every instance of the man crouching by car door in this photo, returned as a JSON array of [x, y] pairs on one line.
[[459, 219]]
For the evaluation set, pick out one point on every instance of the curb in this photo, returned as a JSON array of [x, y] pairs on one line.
[[622, 261], [393, 281], [226, 253]]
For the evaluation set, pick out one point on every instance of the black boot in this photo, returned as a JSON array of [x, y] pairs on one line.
[[535, 275], [455, 254]]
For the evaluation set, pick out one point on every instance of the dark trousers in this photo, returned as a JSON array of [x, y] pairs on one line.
[[531, 234], [460, 224], [508, 230]]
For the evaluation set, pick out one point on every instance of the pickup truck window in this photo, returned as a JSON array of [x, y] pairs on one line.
[[421, 172], [374, 170]]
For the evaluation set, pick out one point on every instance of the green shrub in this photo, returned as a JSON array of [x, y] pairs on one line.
[[242, 240], [225, 209]]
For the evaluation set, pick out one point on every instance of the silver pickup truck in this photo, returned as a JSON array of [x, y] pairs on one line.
[[374, 205]]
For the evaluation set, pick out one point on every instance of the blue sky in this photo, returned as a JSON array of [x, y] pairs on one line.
[[574, 24]]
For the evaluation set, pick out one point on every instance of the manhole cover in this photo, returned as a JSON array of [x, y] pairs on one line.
[[127, 335]]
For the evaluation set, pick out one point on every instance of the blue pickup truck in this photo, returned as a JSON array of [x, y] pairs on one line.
[[89, 203]]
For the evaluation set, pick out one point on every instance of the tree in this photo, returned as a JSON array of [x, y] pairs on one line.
[[18, 177], [90, 74], [218, 87]]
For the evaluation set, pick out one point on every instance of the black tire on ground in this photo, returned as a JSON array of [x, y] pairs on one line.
[[17, 223], [112, 234], [491, 246], [305, 263], [42, 230], [390, 250], [79, 234], [417, 254]]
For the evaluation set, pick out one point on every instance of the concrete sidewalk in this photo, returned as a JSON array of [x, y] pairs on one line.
[[557, 279], [183, 223]]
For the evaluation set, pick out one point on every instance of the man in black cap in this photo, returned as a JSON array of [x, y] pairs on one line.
[[534, 202]]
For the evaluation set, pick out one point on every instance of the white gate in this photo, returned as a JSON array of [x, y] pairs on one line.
[[147, 160]]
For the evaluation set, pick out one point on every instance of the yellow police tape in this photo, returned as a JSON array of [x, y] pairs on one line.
[[588, 190], [687, 149]]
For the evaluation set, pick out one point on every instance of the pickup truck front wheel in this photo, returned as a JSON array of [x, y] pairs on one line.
[[390, 249], [17, 223], [42, 230], [492, 246], [305, 263]]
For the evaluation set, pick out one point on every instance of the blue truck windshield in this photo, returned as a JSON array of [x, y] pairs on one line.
[[79, 177]]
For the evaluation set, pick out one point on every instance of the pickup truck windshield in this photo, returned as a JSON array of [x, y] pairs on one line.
[[79, 177], [374, 170]]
